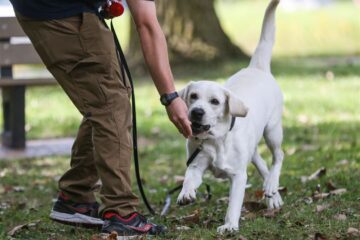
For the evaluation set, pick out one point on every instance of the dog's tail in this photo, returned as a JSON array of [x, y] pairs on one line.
[[262, 56]]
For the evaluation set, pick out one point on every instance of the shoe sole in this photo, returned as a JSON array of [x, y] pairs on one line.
[[105, 235], [76, 219]]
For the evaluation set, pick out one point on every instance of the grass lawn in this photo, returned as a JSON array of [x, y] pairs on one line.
[[321, 123]]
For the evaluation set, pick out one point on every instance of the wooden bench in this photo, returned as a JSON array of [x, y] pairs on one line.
[[13, 89]]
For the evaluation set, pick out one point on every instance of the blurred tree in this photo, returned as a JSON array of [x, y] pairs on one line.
[[193, 32]]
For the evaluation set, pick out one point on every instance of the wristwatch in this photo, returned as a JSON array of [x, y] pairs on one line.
[[167, 98]]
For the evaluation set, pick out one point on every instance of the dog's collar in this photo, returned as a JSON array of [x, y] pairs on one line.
[[200, 147], [233, 119]]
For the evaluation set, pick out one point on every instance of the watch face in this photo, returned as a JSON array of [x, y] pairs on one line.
[[163, 99], [166, 99]]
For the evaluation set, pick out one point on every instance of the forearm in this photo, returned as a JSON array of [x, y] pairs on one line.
[[154, 48]]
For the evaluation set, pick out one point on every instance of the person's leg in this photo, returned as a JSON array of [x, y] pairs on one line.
[[80, 53], [79, 181]]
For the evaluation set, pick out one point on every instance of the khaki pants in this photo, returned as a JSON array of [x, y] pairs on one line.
[[80, 53]]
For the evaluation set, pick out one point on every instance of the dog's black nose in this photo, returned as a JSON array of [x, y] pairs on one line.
[[197, 113]]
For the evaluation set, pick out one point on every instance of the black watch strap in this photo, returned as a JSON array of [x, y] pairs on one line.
[[167, 98]]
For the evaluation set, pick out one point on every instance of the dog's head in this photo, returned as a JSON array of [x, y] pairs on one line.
[[211, 107]]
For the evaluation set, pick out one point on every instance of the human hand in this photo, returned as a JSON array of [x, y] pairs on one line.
[[178, 115]]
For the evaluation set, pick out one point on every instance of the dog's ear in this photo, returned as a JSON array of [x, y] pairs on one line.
[[236, 107], [184, 92]]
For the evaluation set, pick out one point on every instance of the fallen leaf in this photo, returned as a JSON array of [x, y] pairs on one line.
[[320, 208], [113, 236], [18, 228], [209, 223], [254, 206], [318, 196], [340, 217], [182, 228], [319, 173], [330, 185], [353, 232], [319, 236], [271, 213], [308, 200], [250, 216], [192, 218], [259, 194], [338, 191]]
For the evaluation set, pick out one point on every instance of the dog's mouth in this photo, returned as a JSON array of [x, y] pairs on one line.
[[198, 128]]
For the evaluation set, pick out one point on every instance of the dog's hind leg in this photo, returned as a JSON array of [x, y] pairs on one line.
[[273, 136], [260, 165]]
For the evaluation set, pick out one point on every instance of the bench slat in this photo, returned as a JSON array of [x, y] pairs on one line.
[[9, 27], [18, 54], [9, 82]]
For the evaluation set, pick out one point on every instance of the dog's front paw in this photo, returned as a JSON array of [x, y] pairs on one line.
[[227, 228], [186, 197], [274, 201]]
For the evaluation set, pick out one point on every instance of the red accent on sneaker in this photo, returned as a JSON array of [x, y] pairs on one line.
[[143, 229], [63, 196], [108, 215]]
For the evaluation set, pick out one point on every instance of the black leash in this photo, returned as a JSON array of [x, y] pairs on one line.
[[199, 148], [124, 66]]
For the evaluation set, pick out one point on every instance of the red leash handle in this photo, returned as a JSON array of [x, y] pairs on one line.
[[116, 8], [112, 8]]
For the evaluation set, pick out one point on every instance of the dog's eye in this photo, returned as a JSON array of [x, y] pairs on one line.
[[193, 96], [214, 101]]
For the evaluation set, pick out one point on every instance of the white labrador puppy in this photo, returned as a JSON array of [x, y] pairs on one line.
[[226, 147]]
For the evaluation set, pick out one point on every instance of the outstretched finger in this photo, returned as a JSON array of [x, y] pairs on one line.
[[186, 126], [179, 127]]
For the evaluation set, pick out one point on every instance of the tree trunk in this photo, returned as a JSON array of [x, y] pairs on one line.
[[193, 33]]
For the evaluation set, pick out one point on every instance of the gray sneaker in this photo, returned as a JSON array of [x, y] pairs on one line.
[[79, 214]]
